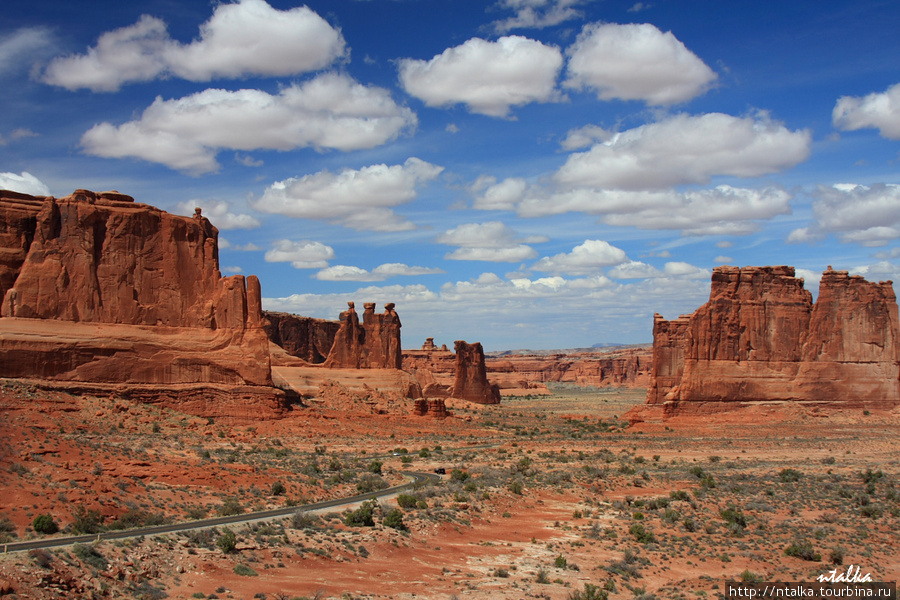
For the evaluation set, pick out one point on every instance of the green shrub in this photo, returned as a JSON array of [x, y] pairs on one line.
[[227, 542], [370, 482], [590, 592], [803, 550], [375, 467], [244, 570], [734, 516], [459, 475], [230, 507], [364, 516], [560, 562], [641, 534], [86, 553], [407, 501], [277, 489], [394, 520], [85, 521], [44, 524], [789, 475]]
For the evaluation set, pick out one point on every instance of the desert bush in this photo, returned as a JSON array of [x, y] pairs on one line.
[[803, 550], [375, 467], [789, 475], [836, 557], [541, 576], [303, 520], [364, 516], [244, 571], [560, 562], [748, 576], [590, 592], [407, 501], [734, 516], [459, 475], [277, 489], [230, 507], [227, 542], [394, 520], [370, 483], [88, 554], [85, 521], [41, 558], [45, 524], [641, 534]]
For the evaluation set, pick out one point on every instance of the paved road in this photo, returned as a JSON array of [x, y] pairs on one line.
[[214, 522]]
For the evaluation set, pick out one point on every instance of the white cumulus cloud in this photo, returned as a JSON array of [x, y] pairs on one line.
[[584, 259], [878, 111], [246, 38], [379, 273], [20, 49], [218, 214], [24, 183], [723, 210], [685, 149], [360, 199], [636, 62], [491, 195], [868, 215], [304, 254], [330, 111], [488, 77], [492, 242], [536, 14]]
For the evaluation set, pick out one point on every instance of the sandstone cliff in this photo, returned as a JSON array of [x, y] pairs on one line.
[[98, 289], [761, 338], [303, 337]]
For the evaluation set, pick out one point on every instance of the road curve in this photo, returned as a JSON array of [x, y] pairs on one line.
[[262, 515]]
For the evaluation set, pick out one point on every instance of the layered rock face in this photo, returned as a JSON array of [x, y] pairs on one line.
[[372, 344], [760, 337], [97, 289], [471, 377], [303, 337]]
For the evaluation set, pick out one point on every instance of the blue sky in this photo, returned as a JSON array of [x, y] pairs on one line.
[[524, 173]]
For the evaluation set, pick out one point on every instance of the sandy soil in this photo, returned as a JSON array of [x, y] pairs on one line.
[[543, 495]]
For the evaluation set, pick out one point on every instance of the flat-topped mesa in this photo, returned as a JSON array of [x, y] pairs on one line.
[[761, 338], [97, 288], [471, 376], [374, 344]]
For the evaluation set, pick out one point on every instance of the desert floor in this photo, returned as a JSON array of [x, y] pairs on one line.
[[544, 497]]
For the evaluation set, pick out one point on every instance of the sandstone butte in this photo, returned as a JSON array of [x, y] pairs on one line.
[[101, 293], [760, 337]]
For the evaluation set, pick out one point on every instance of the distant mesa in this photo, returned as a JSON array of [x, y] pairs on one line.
[[760, 338], [102, 293]]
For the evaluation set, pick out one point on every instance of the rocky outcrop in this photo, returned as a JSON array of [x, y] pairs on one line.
[[373, 344], [430, 407], [471, 381], [303, 337], [98, 289], [619, 368], [761, 338]]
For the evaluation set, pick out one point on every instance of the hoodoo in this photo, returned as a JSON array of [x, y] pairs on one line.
[[102, 293], [761, 338]]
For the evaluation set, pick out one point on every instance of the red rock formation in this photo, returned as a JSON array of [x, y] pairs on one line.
[[760, 338], [667, 363], [304, 337], [471, 377], [431, 407], [97, 289], [373, 345]]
